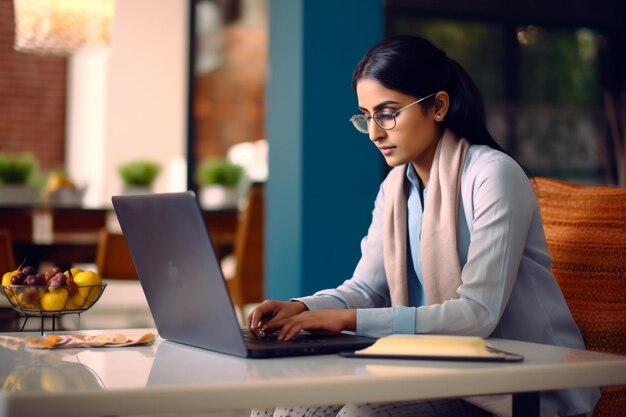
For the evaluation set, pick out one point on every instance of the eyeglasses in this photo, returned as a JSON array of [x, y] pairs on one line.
[[383, 118]]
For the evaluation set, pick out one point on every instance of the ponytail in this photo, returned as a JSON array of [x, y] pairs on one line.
[[466, 115]]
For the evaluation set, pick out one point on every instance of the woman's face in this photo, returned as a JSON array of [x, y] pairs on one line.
[[415, 136]]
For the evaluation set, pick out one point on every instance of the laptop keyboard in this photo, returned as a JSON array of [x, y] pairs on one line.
[[272, 338]]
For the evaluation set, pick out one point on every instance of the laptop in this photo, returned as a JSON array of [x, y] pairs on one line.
[[182, 280]]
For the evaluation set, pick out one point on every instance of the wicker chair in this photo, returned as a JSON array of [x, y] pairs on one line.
[[585, 228]]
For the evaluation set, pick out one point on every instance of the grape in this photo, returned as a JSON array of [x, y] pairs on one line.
[[17, 279], [34, 280], [30, 280], [28, 270]]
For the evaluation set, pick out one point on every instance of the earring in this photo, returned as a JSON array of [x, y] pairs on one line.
[[438, 116]]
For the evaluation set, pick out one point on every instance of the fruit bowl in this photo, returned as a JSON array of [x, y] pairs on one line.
[[53, 293], [44, 301]]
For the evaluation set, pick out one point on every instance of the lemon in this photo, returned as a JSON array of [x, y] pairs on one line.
[[85, 281], [54, 301]]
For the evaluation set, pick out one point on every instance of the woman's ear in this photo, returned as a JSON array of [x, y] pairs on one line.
[[442, 103]]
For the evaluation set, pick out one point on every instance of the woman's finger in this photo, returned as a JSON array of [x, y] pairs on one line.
[[289, 330], [259, 316]]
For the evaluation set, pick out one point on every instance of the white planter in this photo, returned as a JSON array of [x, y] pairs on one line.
[[66, 197], [217, 197], [136, 189], [17, 195]]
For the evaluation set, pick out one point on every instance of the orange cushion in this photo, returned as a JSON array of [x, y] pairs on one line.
[[585, 228]]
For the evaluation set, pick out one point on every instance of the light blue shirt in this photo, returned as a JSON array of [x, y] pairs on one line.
[[415, 211], [507, 288]]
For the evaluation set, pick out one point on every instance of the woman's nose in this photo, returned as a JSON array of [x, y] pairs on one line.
[[374, 131]]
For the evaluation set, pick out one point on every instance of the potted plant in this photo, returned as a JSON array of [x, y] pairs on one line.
[[16, 173], [219, 181], [138, 176]]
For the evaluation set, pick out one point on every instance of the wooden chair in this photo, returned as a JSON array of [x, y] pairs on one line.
[[585, 228], [9, 318], [246, 283], [113, 256], [7, 257]]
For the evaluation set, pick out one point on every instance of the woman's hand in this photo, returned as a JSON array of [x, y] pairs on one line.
[[319, 321], [290, 317], [265, 318]]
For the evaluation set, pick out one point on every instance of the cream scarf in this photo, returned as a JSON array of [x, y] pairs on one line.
[[439, 226]]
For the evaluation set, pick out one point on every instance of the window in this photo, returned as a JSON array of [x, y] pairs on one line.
[[541, 87]]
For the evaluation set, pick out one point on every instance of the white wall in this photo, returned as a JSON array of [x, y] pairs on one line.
[[130, 102]]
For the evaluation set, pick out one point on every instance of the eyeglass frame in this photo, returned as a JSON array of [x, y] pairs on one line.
[[376, 119]]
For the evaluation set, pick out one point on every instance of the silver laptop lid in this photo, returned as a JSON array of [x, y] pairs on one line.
[[179, 270]]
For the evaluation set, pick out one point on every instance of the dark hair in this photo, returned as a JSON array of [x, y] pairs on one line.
[[416, 67]]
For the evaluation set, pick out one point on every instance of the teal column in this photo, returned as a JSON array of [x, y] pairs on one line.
[[323, 174]]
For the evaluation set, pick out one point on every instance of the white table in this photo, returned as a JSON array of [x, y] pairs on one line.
[[170, 378]]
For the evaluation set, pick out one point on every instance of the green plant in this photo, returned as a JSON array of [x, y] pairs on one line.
[[219, 172], [17, 169], [139, 173]]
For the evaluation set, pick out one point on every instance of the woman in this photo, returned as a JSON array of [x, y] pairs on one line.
[[456, 244]]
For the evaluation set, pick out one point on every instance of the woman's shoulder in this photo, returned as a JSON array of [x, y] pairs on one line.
[[488, 171], [491, 177], [484, 154], [482, 160]]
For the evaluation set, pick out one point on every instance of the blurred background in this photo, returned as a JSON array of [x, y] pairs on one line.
[[183, 81], [164, 96]]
